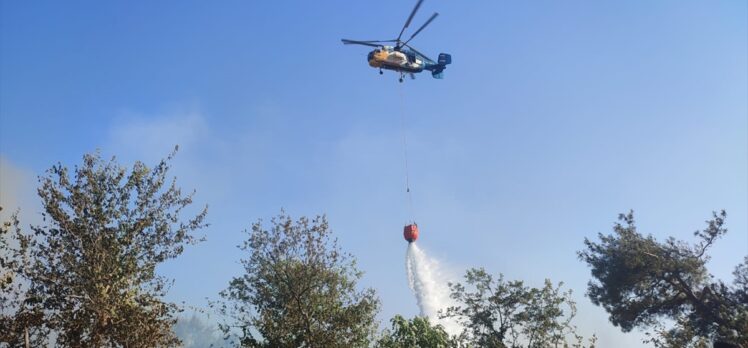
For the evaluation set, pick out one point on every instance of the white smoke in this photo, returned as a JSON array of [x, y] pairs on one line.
[[430, 285]]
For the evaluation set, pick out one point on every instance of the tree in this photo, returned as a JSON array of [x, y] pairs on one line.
[[414, 333], [641, 282], [93, 268], [21, 323], [298, 290], [498, 314]]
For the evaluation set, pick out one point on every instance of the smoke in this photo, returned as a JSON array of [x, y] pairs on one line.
[[429, 283], [15, 187], [200, 332]]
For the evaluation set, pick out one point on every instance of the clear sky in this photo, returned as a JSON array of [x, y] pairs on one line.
[[554, 117]]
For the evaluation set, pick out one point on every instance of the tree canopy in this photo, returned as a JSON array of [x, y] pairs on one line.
[[414, 333], [298, 290], [92, 268], [20, 320], [640, 282], [496, 313]]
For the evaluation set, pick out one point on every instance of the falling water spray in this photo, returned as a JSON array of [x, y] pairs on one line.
[[429, 283]]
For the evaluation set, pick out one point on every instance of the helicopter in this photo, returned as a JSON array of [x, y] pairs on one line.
[[402, 57]]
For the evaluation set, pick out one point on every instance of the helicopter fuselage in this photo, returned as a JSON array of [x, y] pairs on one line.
[[398, 60]]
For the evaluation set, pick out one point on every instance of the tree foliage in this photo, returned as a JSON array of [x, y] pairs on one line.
[[298, 290], [499, 314], [640, 281], [93, 262], [19, 319], [414, 333]]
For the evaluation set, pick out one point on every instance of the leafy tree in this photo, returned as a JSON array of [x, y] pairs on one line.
[[640, 282], [93, 269], [414, 333], [498, 314], [298, 290], [20, 321]]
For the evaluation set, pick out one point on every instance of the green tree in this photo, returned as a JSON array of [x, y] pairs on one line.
[[93, 268], [498, 314], [20, 321], [414, 333], [641, 282], [298, 290]]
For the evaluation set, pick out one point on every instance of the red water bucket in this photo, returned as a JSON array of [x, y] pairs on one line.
[[410, 232]]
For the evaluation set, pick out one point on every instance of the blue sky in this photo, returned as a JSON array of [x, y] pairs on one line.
[[553, 118]]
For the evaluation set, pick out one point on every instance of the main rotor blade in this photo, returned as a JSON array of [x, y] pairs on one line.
[[373, 41], [365, 43], [433, 16], [418, 53], [410, 18]]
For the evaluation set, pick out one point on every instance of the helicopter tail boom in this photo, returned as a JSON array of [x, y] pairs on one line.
[[437, 70]]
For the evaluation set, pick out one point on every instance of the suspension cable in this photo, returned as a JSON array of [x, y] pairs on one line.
[[404, 130]]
